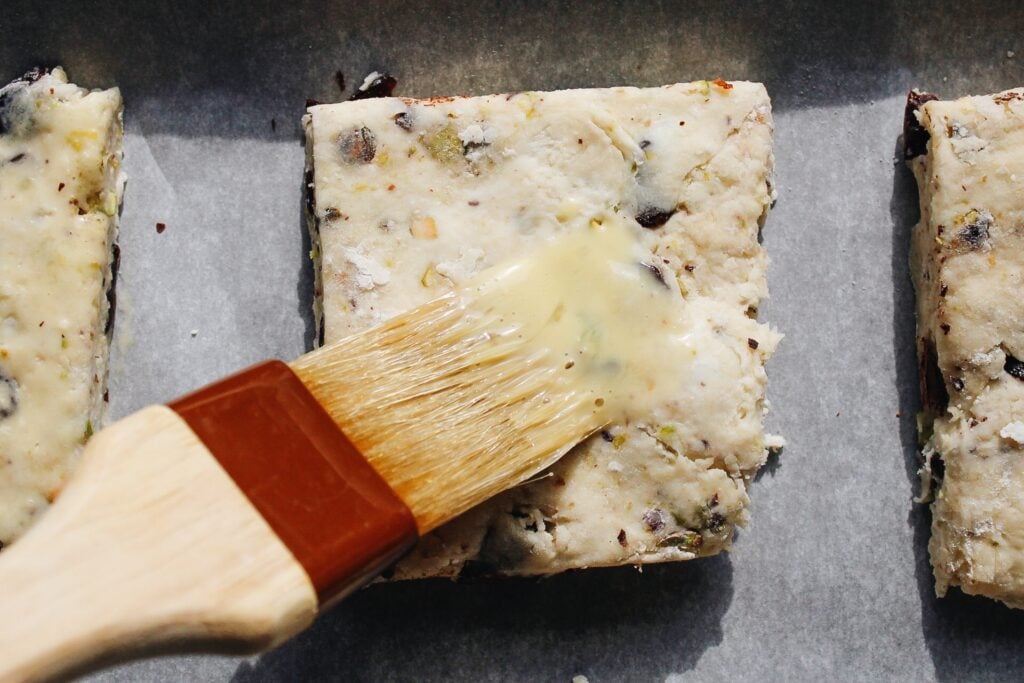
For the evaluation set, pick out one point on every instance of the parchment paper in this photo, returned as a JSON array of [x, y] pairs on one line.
[[831, 580]]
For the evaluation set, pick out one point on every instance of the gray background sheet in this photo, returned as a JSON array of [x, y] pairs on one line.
[[831, 579]]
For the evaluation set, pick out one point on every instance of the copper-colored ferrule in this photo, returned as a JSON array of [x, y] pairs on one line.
[[338, 517]]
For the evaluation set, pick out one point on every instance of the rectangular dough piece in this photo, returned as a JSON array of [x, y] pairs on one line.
[[967, 263], [60, 188], [410, 197]]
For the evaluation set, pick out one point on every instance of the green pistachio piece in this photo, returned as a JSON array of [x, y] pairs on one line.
[[445, 145]]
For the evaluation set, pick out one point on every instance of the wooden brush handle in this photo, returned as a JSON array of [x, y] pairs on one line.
[[152, 547]]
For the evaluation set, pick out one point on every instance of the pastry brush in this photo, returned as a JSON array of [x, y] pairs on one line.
[[228, 518]]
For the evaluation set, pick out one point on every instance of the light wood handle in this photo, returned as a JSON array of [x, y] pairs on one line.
[[152, 547]]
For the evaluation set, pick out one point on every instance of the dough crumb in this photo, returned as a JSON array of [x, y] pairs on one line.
[[1014, 432], [368, 81], [369, 273]]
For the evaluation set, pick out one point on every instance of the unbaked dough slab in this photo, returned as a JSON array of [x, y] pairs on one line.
[[408, 198], [967, 263], [60, 189]]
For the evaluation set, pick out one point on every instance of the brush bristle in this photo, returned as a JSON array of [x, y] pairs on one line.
[[449, 407]]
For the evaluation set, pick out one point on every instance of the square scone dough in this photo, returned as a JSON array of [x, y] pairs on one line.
[[60, 187], [411, 197], [967, 263]]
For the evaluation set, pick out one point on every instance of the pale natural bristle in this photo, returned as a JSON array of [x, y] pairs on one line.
[[450, 408]]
